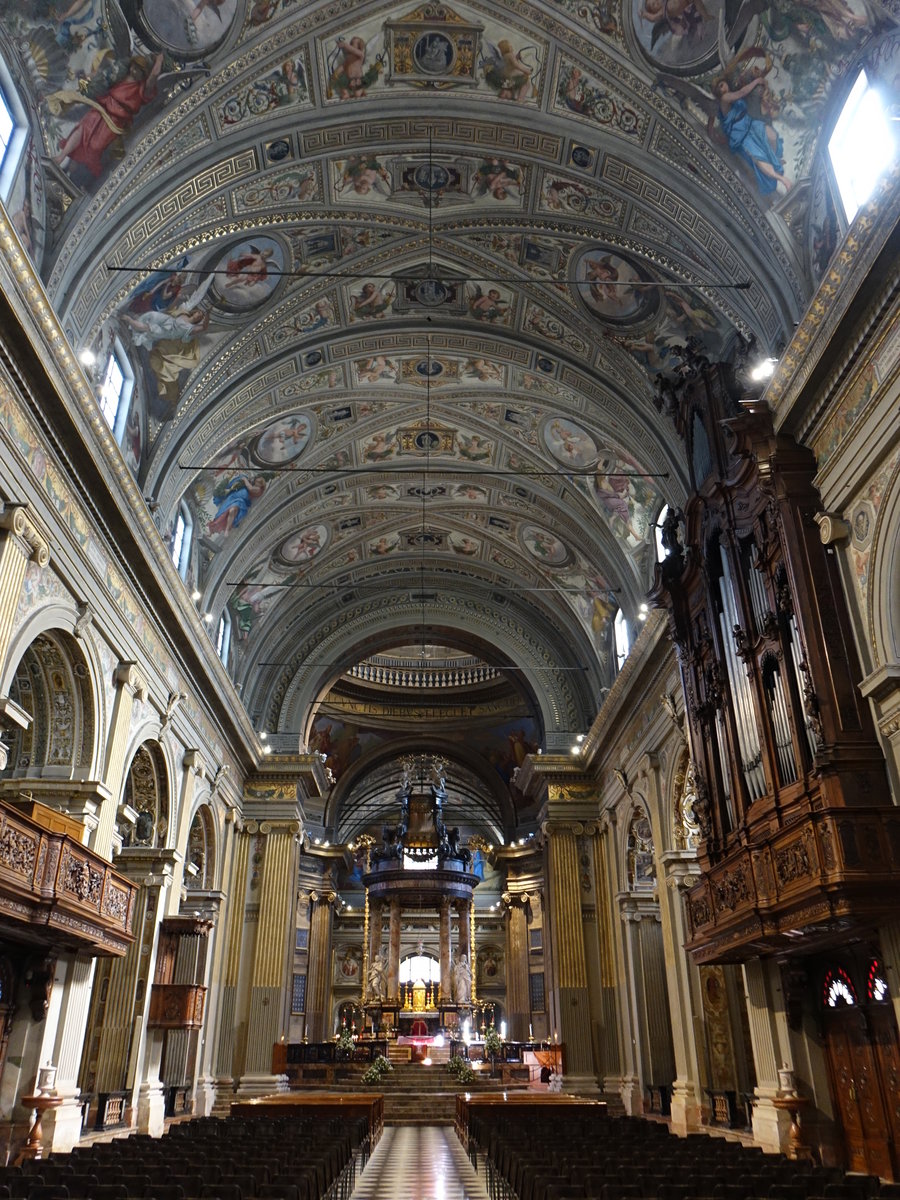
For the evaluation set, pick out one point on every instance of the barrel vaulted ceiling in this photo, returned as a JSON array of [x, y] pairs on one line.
[[395, 281]]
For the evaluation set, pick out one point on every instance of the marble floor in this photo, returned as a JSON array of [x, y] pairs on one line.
[[419, 1162]]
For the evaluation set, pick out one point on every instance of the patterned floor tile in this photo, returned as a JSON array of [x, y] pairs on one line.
[[419, 1163]]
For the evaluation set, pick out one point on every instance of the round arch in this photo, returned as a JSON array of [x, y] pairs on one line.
[[499, 817], [884, 577], [54, 682], [147, 791]]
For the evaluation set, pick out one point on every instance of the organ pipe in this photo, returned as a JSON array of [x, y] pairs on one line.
[[748, 731]]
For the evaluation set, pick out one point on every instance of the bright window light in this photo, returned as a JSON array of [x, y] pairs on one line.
[[13, 133], [7, 125], [420, 966], [622, 642], [111, 389], [660, 548], [862, 146], [223, 635], [181, 540], [115, 391]]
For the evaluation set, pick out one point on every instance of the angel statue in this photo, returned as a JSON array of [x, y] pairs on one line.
[[751, 138]]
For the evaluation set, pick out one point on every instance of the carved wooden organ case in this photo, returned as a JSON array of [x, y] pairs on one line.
[[801, 844]]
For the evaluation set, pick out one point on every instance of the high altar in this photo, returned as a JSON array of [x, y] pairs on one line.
[[419, 865]]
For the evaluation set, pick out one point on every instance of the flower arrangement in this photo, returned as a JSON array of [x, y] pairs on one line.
[[345, 1039], [380, 1066], [458, 1067], [493, 1042]]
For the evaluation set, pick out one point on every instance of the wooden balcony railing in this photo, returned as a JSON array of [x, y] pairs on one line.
[[59, 891]]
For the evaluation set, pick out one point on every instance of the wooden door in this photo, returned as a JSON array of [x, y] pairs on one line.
[[857, 1092], [886, 1041]]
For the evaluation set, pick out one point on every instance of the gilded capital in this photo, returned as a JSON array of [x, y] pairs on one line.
[[556, 828]]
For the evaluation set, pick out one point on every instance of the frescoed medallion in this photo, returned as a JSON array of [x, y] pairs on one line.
[[678, 35], [613, 288], [187, 29], [247, 273], [285, 440], [543, 546], [569, 443], [303, 546]]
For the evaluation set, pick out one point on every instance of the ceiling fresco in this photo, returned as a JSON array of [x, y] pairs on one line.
[[395, 281]]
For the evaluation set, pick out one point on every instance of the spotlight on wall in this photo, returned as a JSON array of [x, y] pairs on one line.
[[576, 749], [580, 738], [87, 357], [195, 595], [262, 735], [267, 749], [207, 617]]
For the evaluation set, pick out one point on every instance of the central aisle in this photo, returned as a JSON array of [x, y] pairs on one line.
[[419, 1162]]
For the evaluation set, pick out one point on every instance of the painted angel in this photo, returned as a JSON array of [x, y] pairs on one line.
[[752, 139]]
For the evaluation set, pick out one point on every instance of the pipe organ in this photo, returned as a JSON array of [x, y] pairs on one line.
[[782, 742]]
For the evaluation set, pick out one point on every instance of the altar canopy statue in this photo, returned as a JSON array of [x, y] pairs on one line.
[[462, 980], [377, 980]]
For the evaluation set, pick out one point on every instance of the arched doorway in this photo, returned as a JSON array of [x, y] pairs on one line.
[[863, 1053]]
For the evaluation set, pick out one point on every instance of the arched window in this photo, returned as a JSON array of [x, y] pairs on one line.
[[181, 546], [838, 990], [876, 984], [862, 146], [223, 635], [623, 643], [13, 133], [115, 390], [420, 966], [660, 548]]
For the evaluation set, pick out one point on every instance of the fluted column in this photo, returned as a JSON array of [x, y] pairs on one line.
[[318, 983], [192, 769], [208, 906], [268, 976], [231, 963], [608, 1034], [568, 985], [180, 1055], [771, 1049], [130, 686], [20, 543], [518, 998], [127, 1054], [394, 951], [679, 870], [444, 935], [64, 1045]]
